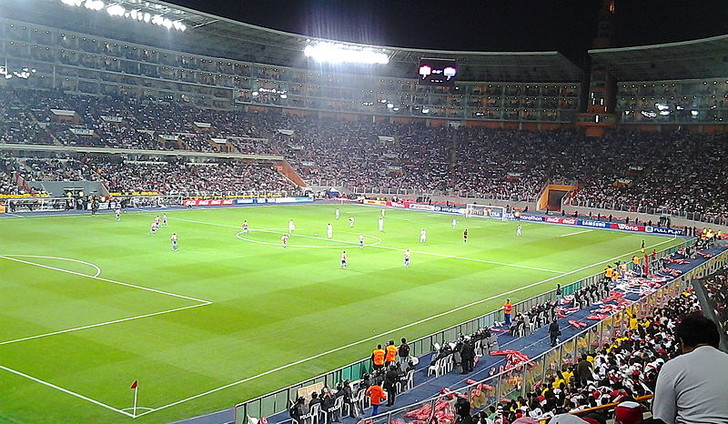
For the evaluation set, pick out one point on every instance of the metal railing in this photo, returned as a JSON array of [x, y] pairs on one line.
[[279, 400], [520, 379]]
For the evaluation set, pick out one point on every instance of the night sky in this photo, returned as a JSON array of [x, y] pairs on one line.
[[485, 25]]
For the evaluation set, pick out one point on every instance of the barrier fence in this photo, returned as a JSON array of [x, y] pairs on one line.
[[279, 401], [520, 379]]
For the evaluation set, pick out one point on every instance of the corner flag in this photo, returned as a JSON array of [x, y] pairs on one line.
[[135, 387]]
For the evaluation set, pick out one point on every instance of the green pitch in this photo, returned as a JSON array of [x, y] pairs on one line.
[[89, 304]]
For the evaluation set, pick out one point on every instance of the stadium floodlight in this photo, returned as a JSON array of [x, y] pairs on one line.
[[94, 4], [340, 53], [116, 10]]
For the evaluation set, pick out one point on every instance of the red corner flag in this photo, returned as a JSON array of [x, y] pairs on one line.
[[134, 385]]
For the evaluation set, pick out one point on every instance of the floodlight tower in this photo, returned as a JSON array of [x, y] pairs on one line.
[[599, 116]]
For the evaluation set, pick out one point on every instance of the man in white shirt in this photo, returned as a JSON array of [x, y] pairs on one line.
[[691, 388]]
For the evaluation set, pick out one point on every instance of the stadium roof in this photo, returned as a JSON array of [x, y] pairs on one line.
[[217, 36], [704, 58]]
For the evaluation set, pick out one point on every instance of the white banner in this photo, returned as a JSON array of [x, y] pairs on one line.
[[286, 132], [63, 112], [114, 119], [385, 138], [202, 124], [82, 131], [169, 137], [219, 140]]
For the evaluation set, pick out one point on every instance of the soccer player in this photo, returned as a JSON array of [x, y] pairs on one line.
[[153, 229], [407, 258], [164, 220], [351, 222], [246, 227], [337, 213], [361, 241], [284, 240], [381, 224], [156, 219], [343, 259], [454, 223], [329, 230], [519, 231], [117, 211], [291, 226], [384, 211], [423, 236], [465, 236], [173, 239]]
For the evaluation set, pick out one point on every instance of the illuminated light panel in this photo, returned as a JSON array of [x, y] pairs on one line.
[[121, 12], [339, 53]]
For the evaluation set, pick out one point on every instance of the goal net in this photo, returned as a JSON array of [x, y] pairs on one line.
[[486, 211]]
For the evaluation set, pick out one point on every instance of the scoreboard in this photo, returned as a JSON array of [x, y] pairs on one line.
[[437, 71]]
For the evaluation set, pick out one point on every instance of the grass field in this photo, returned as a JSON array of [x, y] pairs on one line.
[[88, 304]]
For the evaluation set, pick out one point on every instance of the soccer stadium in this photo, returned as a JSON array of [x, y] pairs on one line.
[[207, 221]]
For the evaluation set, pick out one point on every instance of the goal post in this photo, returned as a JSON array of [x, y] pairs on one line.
[[486, 211]]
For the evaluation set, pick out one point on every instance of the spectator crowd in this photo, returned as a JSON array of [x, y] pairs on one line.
[[669, 171]]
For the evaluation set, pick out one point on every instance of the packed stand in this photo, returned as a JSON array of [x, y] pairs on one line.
[[623, 369], [675, 171], [224, 177]]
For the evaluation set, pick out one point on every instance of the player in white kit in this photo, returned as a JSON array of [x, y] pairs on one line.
[[351, 222], [381, 224], [361, 241], [164, 220], [337, 214], [423, 236], [454, 223], [291, 227], [329, 230], [117, 211], [519, 231]]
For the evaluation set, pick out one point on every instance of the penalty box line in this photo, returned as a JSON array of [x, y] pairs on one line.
[[134, 286], [403, 327], [64, 390], [69, 330]]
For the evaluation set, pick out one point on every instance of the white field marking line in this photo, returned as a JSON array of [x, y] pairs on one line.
[[181, 296], [346, 243], [98, 270], [476, 260], [573, 234], [398, 249], [101, 324], [72, 393], [379, 239], [378, 336]]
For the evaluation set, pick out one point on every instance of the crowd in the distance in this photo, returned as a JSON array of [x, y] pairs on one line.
[[669, 171], [171, 177]]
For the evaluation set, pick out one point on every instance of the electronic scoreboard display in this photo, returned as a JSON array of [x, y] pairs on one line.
[[437, 71]]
